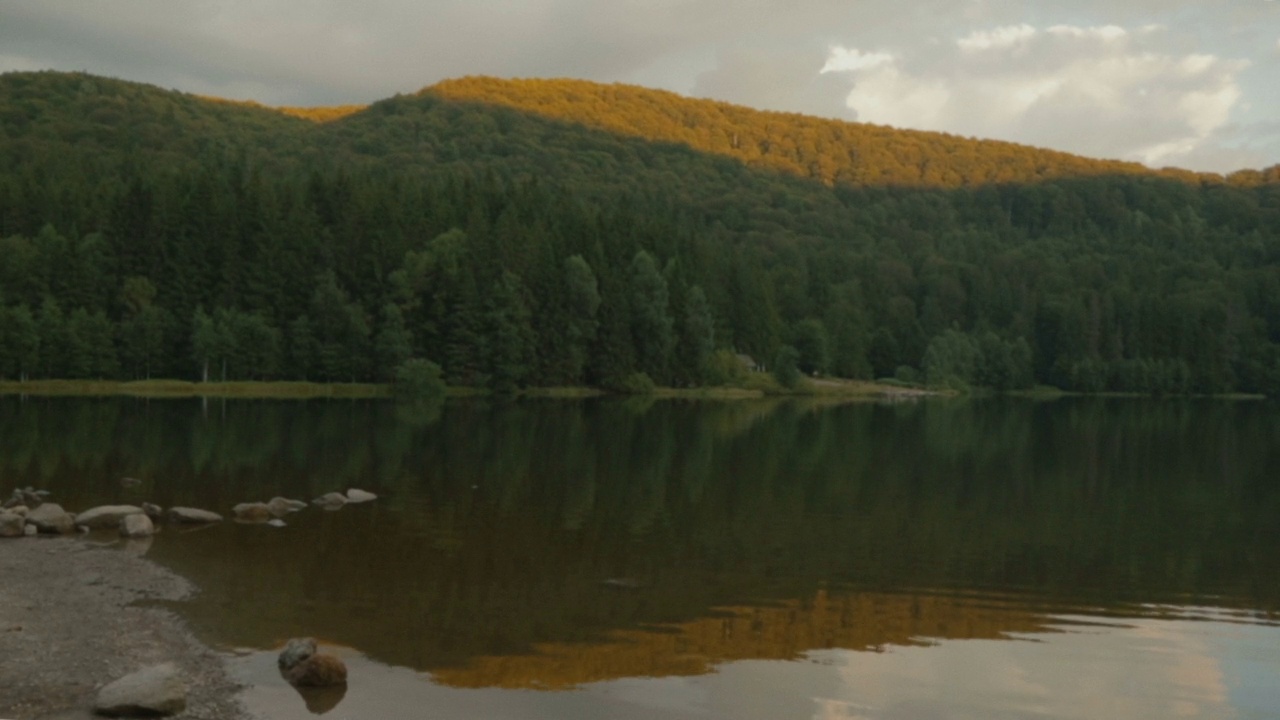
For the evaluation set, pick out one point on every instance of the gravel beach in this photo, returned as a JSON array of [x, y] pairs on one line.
[[74, 616]]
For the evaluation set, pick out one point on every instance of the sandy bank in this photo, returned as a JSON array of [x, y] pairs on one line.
[[74, 616]]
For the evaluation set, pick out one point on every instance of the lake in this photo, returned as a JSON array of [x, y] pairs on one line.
[[1076, 558]]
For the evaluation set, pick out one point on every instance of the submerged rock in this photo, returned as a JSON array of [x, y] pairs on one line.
[[192, 515], [51, 518], [280, 506], [276, 523], [136, 525], [130, 482], [356, 495], [106, 516], [330, 501], [623, 583], [153, 692], [254, 512]]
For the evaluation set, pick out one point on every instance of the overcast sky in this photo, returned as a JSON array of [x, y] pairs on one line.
[[1166, 82]]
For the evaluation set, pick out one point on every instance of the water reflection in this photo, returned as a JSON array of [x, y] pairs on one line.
[[752, 531]]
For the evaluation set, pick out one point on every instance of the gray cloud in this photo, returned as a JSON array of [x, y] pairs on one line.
[[762, 53]]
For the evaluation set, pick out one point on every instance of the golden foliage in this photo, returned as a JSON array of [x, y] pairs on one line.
[[830, 151], [314, 114]]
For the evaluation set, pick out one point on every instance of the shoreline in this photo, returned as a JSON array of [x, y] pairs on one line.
[[76, 614], [852, 390]]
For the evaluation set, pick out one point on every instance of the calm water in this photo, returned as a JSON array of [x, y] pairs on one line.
[[611, 559]]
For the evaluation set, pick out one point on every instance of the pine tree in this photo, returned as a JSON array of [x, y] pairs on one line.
[[393, 344]]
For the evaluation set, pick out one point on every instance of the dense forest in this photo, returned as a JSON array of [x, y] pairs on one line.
[[559, 232]]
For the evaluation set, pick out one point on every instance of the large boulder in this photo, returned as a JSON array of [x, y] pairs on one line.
[[192, 516], [254, 512], [302, 666], [51, 518], [137, 525], [106, 516], [356, 495], [11, 524], [156, 691], [319, 670], [280, 506], [330, 501]]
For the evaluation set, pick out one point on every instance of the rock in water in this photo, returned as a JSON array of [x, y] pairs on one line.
[[192, 515], [130, 482], [11, 524], [295, 651], [254, 512], [280, 506], [51, 518], [319, 670], [356, 495], [153, 511], [302, 666], [330, 501], [136, 525], [276, 523], [105, 516], [155, 691]]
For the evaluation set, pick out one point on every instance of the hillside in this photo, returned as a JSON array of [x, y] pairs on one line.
[[560, 232], [829, 151]]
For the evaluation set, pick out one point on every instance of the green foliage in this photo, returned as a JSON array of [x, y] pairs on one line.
[[812, 345], [393, 344], [786, 367], [951, 360], [697, 342], [417, 379], [640, 237], [724, 368], [636, 384], [651, 324]]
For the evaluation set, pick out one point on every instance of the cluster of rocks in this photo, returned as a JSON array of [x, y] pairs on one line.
[[27, 512]]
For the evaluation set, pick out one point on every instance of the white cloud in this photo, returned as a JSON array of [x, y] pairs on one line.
[[999, 38], [1099, 91], [852, 59], [1107, 32]]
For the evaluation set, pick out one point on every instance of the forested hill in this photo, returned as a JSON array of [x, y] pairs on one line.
[[829, 151], [559, 232]]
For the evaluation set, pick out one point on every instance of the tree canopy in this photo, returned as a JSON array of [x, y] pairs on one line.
[[558, 232]]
